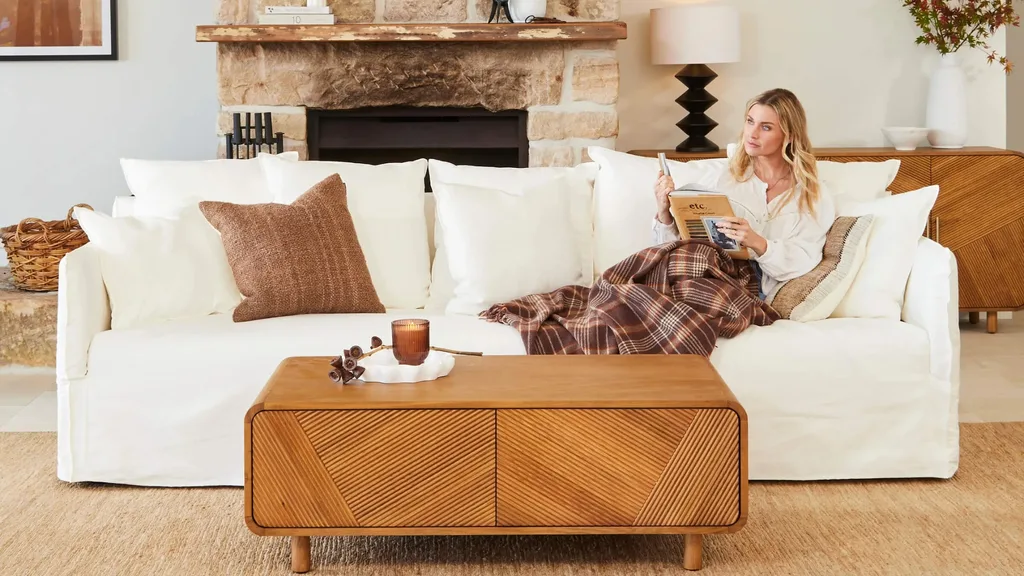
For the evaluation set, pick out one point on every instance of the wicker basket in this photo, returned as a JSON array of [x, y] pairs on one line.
[[35, 248]]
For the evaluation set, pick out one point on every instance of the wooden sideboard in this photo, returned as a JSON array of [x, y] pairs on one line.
[[979, 214]]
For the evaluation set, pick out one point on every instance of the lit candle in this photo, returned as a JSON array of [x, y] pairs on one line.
[[411, 341]]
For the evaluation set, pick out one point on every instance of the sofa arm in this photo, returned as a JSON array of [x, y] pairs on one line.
[[83, 310], [932, 302]]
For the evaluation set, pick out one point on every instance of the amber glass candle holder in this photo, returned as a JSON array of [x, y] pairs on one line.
[[411, 341]]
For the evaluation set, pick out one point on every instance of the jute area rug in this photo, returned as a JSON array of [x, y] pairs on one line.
[[972, 524]]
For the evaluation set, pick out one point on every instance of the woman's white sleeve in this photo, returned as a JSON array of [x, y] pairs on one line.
[[800, 250], [662, 233]]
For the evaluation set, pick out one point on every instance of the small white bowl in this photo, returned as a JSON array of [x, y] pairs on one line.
[[904, 137]]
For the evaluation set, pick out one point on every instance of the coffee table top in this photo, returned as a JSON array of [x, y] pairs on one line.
[[574, 381]]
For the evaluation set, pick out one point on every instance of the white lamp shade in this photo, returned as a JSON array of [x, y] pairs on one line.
[[697, 33]]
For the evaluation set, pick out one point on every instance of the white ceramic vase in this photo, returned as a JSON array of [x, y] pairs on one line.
[[522, 9], [946, 117]]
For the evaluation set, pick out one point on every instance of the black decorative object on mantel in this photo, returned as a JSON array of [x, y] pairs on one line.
[[696, 100], [496, 8], [247, 140]]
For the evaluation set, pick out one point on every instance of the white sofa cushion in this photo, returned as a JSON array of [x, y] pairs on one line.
[[838, 397], [387, 206], [164, 187], [899, 220], [512, 181], [502, 246], [159, 269], [624, 203]]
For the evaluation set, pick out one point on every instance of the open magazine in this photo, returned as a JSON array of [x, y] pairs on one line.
[[697, 211]]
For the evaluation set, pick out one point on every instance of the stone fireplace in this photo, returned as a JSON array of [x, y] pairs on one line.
[[564, 81]]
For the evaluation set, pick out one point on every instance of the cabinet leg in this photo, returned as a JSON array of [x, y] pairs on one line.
[[974, 317], [300, 554], [693, 545], [993, 321]]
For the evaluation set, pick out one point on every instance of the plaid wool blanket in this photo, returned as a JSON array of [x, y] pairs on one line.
[[673, 298]]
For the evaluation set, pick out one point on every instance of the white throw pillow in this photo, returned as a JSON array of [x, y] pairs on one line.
[[503, 245], [164, 187], [159, 269], [880, 285], [853, 182], [513, 181], [624, 203], [387, 203]]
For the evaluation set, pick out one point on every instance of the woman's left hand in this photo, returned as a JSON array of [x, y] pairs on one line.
[[739, 230]]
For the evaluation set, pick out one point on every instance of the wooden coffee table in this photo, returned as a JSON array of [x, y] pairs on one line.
[[502, 445]]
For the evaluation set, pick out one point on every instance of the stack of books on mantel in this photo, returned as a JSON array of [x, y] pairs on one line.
[[297, 15]]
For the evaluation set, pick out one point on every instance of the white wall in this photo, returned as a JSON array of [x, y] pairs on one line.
[[64, 125], [853, 64], [1015, 89]]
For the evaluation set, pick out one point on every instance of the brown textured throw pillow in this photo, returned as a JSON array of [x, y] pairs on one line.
[[299, 258], [815, 295]]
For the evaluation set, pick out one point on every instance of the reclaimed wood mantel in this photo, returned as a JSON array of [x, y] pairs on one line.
[[414, 32]]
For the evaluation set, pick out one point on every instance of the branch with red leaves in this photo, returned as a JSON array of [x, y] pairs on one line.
[[951, 24]]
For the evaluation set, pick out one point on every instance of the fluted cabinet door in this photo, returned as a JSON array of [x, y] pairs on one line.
[[629, 468], [373, 468], [979, 215]]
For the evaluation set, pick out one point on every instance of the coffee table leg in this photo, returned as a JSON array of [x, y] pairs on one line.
[[693, 545], [300, 553]]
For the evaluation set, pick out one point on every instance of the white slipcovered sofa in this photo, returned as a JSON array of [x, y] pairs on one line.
[[839, 398]]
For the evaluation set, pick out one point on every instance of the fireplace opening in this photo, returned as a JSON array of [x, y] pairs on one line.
[[378, 135]]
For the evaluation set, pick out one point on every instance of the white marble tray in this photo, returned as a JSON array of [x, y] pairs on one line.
[[383, 367]]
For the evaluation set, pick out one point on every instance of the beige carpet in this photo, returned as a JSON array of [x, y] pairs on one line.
[[973, 524]]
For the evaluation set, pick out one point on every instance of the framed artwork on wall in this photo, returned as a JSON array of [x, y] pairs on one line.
[[58, 29]]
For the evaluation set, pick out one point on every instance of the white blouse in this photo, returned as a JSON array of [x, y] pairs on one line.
[[795, 240]]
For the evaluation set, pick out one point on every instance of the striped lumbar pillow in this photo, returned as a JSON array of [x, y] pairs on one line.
[[815, 295]]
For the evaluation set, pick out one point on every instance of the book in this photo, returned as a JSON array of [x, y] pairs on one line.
[[697, 209], [297, 19], [298, 10]]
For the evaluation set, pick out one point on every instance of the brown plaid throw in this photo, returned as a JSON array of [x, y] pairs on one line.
[[674, 298]]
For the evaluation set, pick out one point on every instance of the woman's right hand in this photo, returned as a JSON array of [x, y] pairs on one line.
[[662, 188]]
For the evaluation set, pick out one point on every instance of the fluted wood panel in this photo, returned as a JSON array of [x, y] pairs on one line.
[[392, 468], [985, 284], [700, 485], [978, 196], [618, 467], [291, 487], [914, 173]]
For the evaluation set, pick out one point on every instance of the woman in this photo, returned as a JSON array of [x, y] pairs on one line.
[[773, 175]]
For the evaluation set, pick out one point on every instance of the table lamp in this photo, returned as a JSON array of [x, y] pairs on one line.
[[695, 34]]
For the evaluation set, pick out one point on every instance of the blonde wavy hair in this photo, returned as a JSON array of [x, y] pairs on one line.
[[796, 148]]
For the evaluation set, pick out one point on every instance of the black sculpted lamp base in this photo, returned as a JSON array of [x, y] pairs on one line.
[[696, 100]]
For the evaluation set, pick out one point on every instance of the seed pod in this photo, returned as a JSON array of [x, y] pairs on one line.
[[376, 342], [335, 375], [357, 352], [350, 364], [358, 372]]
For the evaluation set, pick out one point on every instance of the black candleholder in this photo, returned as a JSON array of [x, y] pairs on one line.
[[248, 140]]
